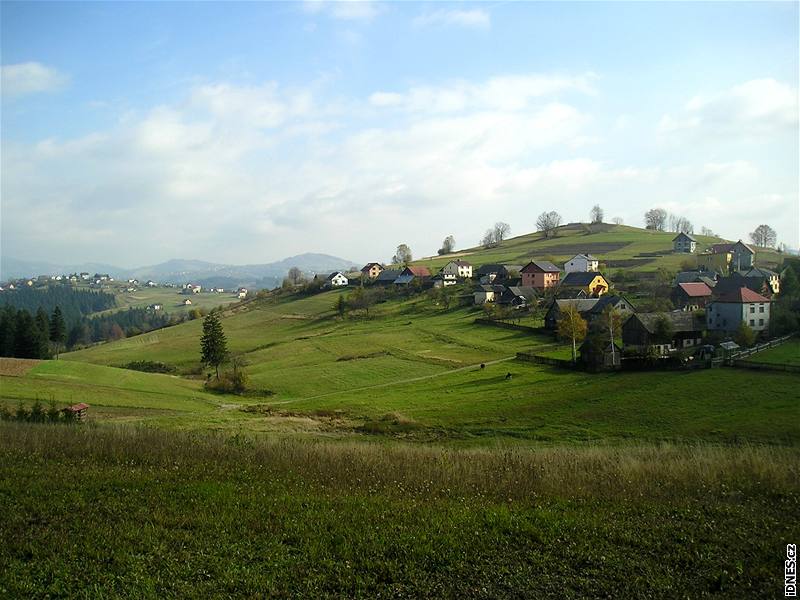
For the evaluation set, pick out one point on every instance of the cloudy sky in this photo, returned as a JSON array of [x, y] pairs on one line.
[[137, 132]]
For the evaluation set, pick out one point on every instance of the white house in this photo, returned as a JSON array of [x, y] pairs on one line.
[[444, 279], [336, 279], [582, 263], [683, 242], [487, 293], [458, 268], [740, 306]]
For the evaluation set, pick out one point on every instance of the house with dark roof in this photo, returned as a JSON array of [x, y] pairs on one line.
[[371, 270], [663, 332], [617, 302], [336, 279], [518, 297], [387, 277], [738, 279], [540, 274], [592, 283], [553, 314], [488, 273], [458, 268], [691, 296], [683, 242], [732, 308], [444, 280], [772, 281], [597, 356], [487, 293]]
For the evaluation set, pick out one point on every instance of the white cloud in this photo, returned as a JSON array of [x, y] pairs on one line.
[[254, 173], [30, 78], [507, 92], [473, 18], [756, 107], [346, 10]]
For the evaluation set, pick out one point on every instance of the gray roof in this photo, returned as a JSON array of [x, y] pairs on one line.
[[581, 304], [680, 321], [388, 275], [608, 300], [579, 278], [544, 265], [404, 279], [498, 289], [686, 235], [526, 292]]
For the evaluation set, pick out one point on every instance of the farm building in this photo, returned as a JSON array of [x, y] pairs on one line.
[[444, 280], [77, 412], [553, 314], [336, 279], [663, 332], [487, 293], [387, 277], [517, 296], [488, 273], [602, 356]]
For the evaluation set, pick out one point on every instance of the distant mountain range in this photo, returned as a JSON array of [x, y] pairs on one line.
[[183, 270]]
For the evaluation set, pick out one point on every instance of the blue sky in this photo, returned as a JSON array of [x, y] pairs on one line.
[[246, 132]]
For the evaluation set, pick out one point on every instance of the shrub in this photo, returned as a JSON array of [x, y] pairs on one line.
[[149, 366]]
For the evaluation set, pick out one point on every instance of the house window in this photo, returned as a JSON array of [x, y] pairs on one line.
[[752, 322], [761, 308], [761, 322], [752, 308]]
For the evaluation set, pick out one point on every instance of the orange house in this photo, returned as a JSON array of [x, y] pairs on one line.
[[540, 274]]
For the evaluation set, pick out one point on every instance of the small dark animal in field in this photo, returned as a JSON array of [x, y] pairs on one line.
[[483, 366], [509, 375]]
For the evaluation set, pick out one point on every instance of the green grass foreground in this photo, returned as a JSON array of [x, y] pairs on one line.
[[132, 512]]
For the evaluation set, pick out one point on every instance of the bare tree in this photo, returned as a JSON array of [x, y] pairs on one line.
[[764, 236], [707, 232], [495, 235], [295, 275], [548, 222], [448, 245], [596, 214], [618, 221], [655, 219], [501, 231], [680, 224], [402, 256]]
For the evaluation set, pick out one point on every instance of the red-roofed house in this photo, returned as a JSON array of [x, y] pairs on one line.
[[421, 272], [739, 306], [691, 296]]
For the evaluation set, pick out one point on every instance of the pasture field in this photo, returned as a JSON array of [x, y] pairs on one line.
[[171, 298], [616, 246], [787, 353], [130, 512]]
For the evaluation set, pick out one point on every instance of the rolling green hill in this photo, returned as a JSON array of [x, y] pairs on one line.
[[616, 246]]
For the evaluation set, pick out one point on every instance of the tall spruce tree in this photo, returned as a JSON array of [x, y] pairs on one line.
[[43, 333], [58, 330], [213, 346]]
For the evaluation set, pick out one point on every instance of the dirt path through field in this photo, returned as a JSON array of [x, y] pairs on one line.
[[399, 382], [16, 367]]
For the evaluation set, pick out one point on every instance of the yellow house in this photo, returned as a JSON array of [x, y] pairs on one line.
[[591, 283], [715, 261]]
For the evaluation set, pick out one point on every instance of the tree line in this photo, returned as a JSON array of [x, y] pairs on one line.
[[74, 304]]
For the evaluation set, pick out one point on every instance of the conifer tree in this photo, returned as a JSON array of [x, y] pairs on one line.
[[213, 346], [58, 330]]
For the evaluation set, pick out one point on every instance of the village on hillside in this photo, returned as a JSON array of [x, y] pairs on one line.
[[713, 311]]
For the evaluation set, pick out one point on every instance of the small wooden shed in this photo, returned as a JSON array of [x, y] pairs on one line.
[[77, 411]]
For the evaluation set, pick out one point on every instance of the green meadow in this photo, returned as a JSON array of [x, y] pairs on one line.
[[617, 247]]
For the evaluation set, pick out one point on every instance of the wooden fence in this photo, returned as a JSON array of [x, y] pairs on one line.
[[760, 347], [763, 366], [547, 360], [507, 325]]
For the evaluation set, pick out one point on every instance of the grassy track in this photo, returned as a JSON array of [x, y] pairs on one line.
[[787, 353]]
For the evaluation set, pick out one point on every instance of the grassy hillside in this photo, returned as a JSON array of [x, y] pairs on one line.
[[140, 513], [617, 246], [412, 371]]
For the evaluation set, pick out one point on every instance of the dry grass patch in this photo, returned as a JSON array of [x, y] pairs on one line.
[[16, 367]]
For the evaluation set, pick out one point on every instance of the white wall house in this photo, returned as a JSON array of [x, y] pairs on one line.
[[582, 263], [337, 279], [458, 268], [742, 306], [444, 279]]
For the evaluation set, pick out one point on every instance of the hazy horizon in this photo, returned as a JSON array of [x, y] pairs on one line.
[[243, 133]]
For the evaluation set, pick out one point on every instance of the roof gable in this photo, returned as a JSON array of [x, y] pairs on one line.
[[540, 266], [695, 290], [741, 296], [580, 278]]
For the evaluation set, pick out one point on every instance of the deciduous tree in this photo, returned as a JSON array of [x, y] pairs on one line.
[[655, 219], [572, 326], [596, 214], [764, 236], [448, 245], [548, 222], [402, 256]]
